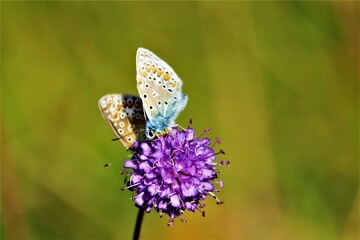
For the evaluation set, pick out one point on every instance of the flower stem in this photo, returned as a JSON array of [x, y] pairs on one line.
[[138, 223]]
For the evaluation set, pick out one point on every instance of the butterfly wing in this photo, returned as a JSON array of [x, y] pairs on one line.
[[160, 90], [125, 116]]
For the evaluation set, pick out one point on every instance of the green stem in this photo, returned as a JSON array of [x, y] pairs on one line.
[[139, 219]]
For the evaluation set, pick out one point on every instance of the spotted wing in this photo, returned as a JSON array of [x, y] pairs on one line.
[[125, 116], [160, 89]]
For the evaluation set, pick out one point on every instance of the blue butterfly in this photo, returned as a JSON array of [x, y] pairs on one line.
[[161, 100], [160, 91]]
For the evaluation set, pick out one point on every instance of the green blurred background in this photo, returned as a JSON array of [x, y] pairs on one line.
[[278, 82]]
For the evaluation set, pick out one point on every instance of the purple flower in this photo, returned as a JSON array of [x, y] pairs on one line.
[[174, 173]]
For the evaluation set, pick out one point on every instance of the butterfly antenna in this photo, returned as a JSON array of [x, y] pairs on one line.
[[190, 122], [109, 164], [116, 161], [118, 138]]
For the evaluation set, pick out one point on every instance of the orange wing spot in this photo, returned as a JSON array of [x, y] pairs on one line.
[[140, 79], [130, 104], [173, 84], [109, 101], [160, 71], [148, 67], [153, 68], [166, 76], [137, 105], [118, 107], [115, 115]]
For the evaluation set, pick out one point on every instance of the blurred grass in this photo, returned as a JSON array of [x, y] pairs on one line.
[[278, 82]]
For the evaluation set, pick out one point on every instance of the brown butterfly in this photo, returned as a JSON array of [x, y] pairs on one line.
[[125, 116]]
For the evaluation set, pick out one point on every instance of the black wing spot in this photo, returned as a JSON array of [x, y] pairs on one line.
[[145, 96], [151, 107]]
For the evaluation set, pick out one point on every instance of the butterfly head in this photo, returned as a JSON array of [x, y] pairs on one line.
[[150, 134]]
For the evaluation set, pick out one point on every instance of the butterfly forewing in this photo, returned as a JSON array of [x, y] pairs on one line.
[[159, 88], [125, 116]]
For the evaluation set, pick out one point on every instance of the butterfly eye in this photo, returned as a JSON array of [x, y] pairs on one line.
[[150, 134]]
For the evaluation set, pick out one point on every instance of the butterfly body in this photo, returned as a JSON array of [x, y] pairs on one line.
[[160, 91]]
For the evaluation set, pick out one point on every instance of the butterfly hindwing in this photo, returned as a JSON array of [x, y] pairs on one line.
[[160, 90], [125, 116]]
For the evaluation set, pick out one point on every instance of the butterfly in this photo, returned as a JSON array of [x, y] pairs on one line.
[[153, 113]]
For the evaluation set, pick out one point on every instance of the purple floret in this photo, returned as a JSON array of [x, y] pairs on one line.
[[173, 173]]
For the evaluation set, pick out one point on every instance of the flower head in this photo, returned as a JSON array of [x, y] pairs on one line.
[[174, 172]]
